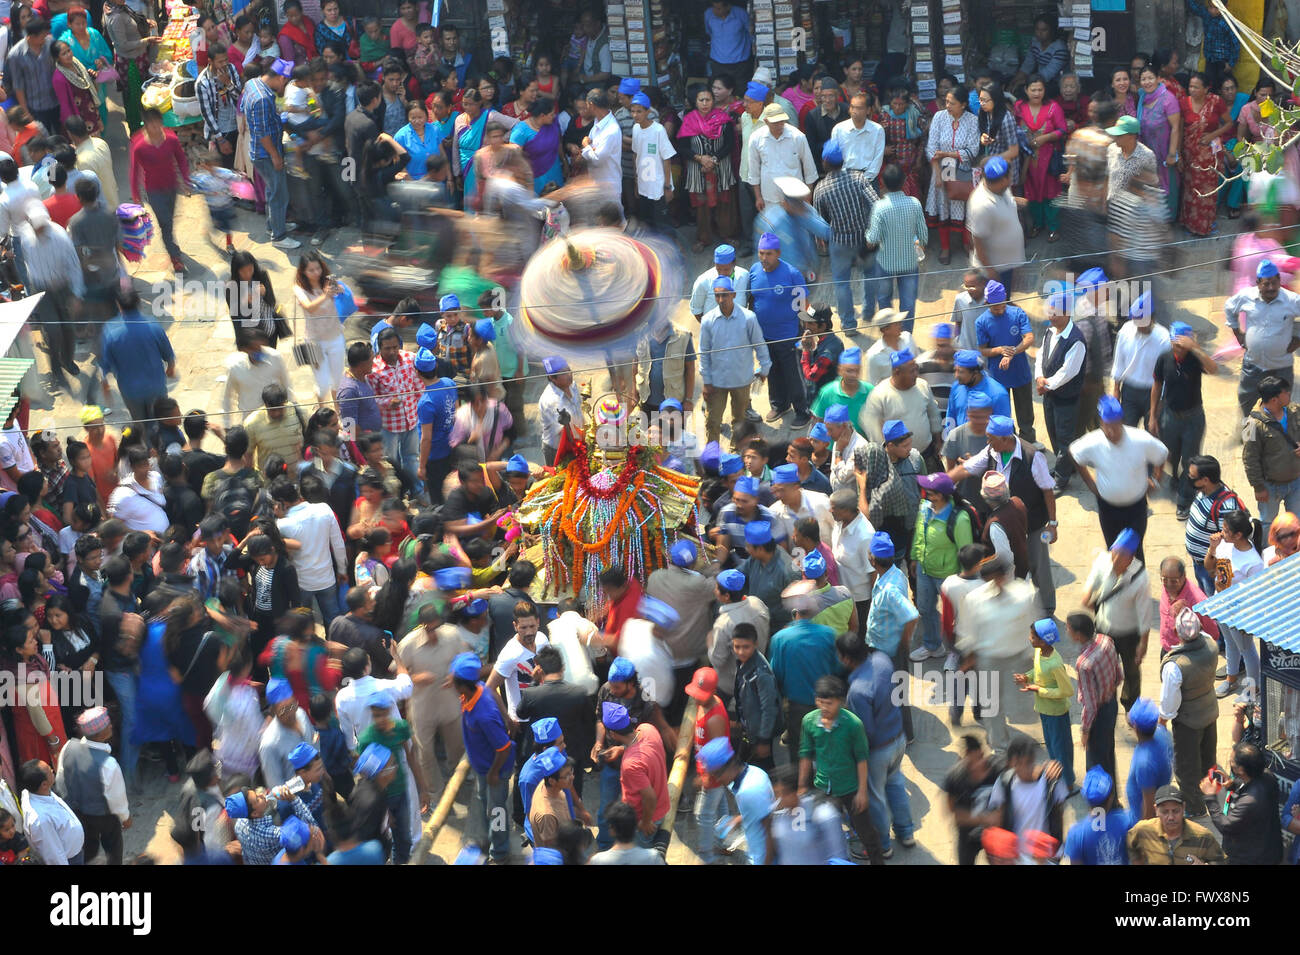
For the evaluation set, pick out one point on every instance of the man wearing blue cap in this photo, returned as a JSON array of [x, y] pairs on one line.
[[1263, 320], [777, 293], [296, 846], [1101, 837], [848, 389], [993, 220], [1121, 457], [266, 134], [1140, 343], [743, 509], [845, 443], [1152, 764], [835, 604], [395, 736], [665, 368], [558, 407], [719, 763], [453, 335], [288, 727], [1049, 684], [971, 376], [754, 97], [553, 800], [903, 397], [767, 573], [732, 342], [730, 40], [491, 755], [651, 151], [897, 230], [724, 266], [690, 593], [1090, 297], [937, 367], [256, 815], [894, 338], [844, 198], [1118, 590], [1005, 334], [793, 503], [1058, 372], [562, 696], [1177, 413], [968, 439]]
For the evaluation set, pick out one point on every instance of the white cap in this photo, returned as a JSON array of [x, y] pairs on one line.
[[792, 187]]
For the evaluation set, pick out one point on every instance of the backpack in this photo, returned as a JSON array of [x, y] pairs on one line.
[[959, 506], [234, 502]]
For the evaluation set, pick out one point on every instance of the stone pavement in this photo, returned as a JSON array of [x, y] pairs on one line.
[[201, 332]]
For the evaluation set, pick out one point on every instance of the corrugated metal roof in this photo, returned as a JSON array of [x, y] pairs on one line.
[[11, 372], [1266, 606]]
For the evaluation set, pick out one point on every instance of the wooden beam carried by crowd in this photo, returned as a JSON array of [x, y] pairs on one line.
[[424, 850], [681, 763]]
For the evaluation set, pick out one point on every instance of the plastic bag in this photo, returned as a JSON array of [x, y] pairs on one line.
[[653, 662]]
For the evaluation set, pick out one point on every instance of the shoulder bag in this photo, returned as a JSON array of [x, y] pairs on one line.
[[306, 353], [958, 188]]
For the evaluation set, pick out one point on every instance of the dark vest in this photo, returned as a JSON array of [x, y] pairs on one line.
[[83, 789], [1197, 659], [1058, 348], [1020, 481], [1011, 516]]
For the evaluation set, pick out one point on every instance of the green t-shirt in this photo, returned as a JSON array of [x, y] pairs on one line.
[[397, 734], [835, 752], [832, 393]]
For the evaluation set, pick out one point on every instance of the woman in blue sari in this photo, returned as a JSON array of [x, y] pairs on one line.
[[469, 139], [91, 50], [539, 137]]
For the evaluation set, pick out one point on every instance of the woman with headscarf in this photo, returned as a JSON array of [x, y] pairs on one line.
[[707, 138], [76, 89]]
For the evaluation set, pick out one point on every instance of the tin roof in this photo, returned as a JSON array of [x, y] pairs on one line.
[[1266, 606]]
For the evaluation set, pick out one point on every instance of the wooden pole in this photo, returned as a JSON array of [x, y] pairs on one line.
[[681, 762], [440, 813]]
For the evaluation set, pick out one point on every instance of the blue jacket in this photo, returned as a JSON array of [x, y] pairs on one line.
[[870, 699], [800, 655], [136, 350]]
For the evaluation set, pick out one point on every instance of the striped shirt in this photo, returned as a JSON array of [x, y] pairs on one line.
[[845, 198], [1137, 225], [897, 224], [1200, 527], [1100, 675], [1047, 63], [258, 106]]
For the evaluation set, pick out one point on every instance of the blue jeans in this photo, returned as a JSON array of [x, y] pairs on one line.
[[1204, 579], [125, 684], [490, 815], [611, 791], [927, 601], [709, 803], [887, 790], [328, 602], [277, 197], [1278, 494], [1059, 743], [1182, 432], [399, 825], [907, 284], [1241, 649], [843, 258], [403, 449]]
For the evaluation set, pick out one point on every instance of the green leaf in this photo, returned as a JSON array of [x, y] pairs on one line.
[[1274, 162], [1250, 163], [1277, 63], [1241, 148], [1295, 90]]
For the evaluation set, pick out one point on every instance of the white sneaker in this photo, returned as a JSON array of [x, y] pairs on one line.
[[288, 242], [952, 662], [938, 652], [919, 654]]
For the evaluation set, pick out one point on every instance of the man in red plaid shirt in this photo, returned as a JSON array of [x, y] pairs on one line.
[[1100, 675], [397, 392]]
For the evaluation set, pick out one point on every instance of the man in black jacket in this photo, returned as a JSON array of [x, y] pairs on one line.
[[324, 159], [1249, 821], [819, 122], [121, 629], [85, 589], [565, 701], [356, 629]]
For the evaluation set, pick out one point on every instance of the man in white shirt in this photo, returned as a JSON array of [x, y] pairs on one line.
[[1138, 346], [845, 442], [1058, 374], [516, 657], [352, 702], [1263, 320], [138, 501], [778, 149], [861, 141], [1120, 456], [52, 828], [968, 306], [320, 558], [603, 148], [793, 503], [249, 370], [91, 781], [724, 264], [559, 395], [654, 178], [851, 547]]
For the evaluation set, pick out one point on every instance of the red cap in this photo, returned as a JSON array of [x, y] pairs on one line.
[[1000, 843], [703, 685], [1040, 844]]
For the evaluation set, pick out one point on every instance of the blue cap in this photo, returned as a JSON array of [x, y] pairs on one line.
[[1090, 278], [372, 760], [448, 303], [546, 730], [554, 365], [453, 578], [466, 666], [730, 464], [673, 463], [302, 755], [379, 700], [1142, 307], [995, 293], [1179, 329], [711, 457], [724, 254], [1058, 302], [978, 399], [671, 404], [1110, 409], [426, 360], [1046, 630], [894, 430], [1097, 786], [758, 532], [640, 99], [882, 545], [723, 283], [282, 67], [294, 834], [550, 761], [966, 358], [715, 754], [278, 690], [657, 612], [756, 90], [851, 356], [545, 855], [837, 414], [818, 432], [621, 670], [747, 484], [237, 805], [1000, 426], [901, 358], [485, 330], [996, 168], [1266, 269], [1127, 540], [785, 474], [476, 607], [517, 464], [683, 554], [426, 336], [814, 565], [832, 153], [614, 716], [1144, 715], [732, 581], [629, 86], [768, 240]]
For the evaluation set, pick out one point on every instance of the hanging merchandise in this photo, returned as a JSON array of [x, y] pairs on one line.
[[1080, 37], [786, 55], [926, 53], [763, 16]]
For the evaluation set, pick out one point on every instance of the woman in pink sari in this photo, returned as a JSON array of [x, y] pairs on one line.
[[1044, 122], [705, 143]]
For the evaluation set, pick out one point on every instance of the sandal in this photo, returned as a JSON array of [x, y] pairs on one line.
[[1033, 232], [945, 257], [1234, 213]]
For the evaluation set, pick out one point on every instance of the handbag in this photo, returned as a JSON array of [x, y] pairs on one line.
[[344, 301], [962, 184], [107, 75], [306, 353]]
